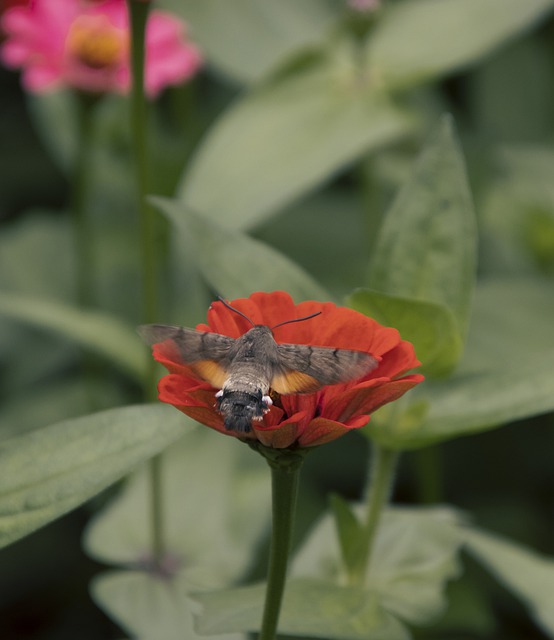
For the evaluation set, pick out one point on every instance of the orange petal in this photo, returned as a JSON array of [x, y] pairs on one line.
[[322, 430]]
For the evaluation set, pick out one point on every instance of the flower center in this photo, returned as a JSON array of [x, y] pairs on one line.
[[95, 42]]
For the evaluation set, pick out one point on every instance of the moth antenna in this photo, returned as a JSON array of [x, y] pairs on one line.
[[296, 320], [235, 310]]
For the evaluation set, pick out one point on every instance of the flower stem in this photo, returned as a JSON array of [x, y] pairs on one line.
[[382, 477], [138, 16], [284, 488]]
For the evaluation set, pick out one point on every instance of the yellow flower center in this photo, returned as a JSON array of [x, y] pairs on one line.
[[95, 42]]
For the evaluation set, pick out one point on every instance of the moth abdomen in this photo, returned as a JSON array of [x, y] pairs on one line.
[[239, 408]]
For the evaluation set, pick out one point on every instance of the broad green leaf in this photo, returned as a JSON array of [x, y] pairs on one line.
[[505, 375], [246, 39], [414, 555], [286, 138], [527, 574], [311, 608], [202, 469], [234, 264], [429, 326], [94, 330], [418, 40], [472, 403], [512, 321], [426, 248], [49, 472], [148, 606], [144, 605]]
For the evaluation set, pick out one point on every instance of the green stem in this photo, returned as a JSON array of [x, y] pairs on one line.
[[138, 15], [284, 486], [382, 477]]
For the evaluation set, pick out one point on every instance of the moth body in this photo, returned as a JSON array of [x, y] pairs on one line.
[[244, 369], [244, 395]]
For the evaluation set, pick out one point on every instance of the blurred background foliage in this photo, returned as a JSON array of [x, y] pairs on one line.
[[280, 138]]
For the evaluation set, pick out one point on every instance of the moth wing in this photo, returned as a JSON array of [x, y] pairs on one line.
[[205, 353], [304, 368]]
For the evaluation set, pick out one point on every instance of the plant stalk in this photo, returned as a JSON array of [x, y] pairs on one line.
[[383, 468], [138, 18], [284, 488]]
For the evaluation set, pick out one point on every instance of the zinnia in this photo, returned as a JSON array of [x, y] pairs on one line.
[[302, 420], [85, 45]]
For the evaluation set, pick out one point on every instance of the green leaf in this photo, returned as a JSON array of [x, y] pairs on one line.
[[527, 574], [148, 606], [202, 469], [97, 331], [473, 403], [506, 373], [287, 137], [350, 532], [416, 41], [245, 40], [429, 326], [511, 321], [234, 264], [427, 245], [49, 472], [145, 605], [415, 553], [310, 608]]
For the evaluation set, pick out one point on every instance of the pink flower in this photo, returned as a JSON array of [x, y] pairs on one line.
[[364, 6], [85, 45]]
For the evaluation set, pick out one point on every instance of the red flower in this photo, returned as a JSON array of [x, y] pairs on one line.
[[301, 420]]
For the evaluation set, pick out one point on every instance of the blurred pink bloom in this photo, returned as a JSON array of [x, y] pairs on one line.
[[85, 45], [364, 5]]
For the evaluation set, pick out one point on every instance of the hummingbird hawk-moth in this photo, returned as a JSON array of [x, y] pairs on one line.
[[244, 369]]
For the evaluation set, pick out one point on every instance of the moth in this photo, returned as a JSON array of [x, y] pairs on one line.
[[245, 369]]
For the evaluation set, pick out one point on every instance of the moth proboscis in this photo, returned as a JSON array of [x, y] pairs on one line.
[[244, 369]]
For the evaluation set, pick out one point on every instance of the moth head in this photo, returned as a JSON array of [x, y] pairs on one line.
[[280, 324]]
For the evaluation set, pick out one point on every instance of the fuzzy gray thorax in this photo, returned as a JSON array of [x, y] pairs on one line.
[[252, 361]]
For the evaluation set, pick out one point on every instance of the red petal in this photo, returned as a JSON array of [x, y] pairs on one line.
[[397, 361], [261, 308], [282, 435], [322, 430], [338, 327], [368, 396]]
